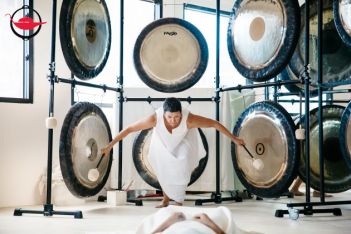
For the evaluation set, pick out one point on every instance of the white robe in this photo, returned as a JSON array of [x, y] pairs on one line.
[[173, 156], [222, 216]]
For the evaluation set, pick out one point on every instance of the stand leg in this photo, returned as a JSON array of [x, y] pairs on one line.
[[48, 211]]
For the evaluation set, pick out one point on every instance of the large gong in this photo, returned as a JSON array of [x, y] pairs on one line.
[[345, 135], [262, 36], [85, 131], [85, 34], [342, 18], [141, 159], [287, 75], [336, 55], [170, 55], [269, 134], [337, 175]]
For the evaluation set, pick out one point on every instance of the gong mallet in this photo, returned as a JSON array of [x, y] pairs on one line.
[[257, 163], [94, 174]]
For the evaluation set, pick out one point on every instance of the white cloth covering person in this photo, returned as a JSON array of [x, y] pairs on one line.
[[221, 216], [173, 156]]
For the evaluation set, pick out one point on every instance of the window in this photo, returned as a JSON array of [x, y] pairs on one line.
[[16, 80], [205, 20]]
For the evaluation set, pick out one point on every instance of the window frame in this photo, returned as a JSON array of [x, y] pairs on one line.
[[205, 10], [28, 65]]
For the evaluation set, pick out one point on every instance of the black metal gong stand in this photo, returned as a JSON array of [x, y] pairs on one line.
[[308, 206], [48, 207]]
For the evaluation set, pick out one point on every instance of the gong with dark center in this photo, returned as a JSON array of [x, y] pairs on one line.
[[141, 159], [345, 135], [170, 55], [287, 75], [262, 36], [269, 134], [85, 34], [336, 55], [85, 131], [337, 174], [342, 18]]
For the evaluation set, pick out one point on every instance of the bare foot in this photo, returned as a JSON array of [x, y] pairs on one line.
[[318, 194], [163, 203], [297, 193], [178, 204]]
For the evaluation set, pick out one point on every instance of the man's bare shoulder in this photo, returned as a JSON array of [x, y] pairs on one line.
[[193, 120]]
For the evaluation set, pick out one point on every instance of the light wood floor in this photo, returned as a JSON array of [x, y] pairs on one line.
[[249, 215]]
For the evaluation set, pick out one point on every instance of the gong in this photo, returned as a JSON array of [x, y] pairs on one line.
[[342, 18], [287, 75], [170, 55], [141, 158], [85, 34], [336, 55], [262, 36], [269, 134], [85, 131], [345, 135], [337, 175]]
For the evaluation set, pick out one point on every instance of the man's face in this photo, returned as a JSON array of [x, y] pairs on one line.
[[173, 118]]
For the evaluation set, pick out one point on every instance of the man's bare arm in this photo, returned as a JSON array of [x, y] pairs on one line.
[[144, 123], [196, 121]]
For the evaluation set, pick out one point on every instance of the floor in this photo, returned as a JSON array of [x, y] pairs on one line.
[[249, 215]]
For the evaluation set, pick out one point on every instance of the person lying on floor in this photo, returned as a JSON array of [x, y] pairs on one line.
[[190, 220], [175, 148]]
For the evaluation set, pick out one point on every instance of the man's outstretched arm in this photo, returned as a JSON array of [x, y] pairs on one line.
[[196, 121], [144, 123]]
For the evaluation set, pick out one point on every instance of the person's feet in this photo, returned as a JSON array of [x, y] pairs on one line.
[[163, 203], [297, 192], [318, 194]]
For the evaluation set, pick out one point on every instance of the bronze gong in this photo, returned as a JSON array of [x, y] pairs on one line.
[[85, 35], [269, 134], [85, 131], [345, 135], [262, 36], [342, 18], [170, 55], [337, 174], [336, 55]]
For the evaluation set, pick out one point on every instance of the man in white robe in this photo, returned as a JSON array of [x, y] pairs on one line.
[[175, 148]]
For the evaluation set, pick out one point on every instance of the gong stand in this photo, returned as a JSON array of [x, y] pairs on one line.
[[308, 206], [48, 207]]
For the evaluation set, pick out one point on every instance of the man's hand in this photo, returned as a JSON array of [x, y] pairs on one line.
[[174, 218], [204, 219], [239, 141], [105, 150]]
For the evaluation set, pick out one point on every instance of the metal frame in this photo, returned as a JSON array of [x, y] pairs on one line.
[[28, 62], [217, 196], [308, 206]]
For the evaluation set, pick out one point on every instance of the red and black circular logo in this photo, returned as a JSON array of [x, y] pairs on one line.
[[25, 23]]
